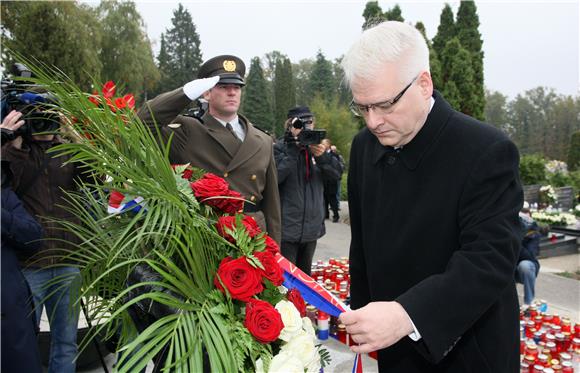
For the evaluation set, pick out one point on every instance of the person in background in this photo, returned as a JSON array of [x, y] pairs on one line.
[[331, 184], [301, 172], [434, 197], [21, 234], [528, 264]]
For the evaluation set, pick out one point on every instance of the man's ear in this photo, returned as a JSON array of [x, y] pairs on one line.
[[426, 84], [207, 95]]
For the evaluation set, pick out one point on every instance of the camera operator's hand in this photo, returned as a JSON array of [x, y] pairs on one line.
[[317, 149], [197, 87], [12, 122]]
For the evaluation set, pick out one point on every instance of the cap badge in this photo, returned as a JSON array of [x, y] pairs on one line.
[[229, 65]]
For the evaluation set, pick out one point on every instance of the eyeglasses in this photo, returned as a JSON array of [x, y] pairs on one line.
[[383, 107]]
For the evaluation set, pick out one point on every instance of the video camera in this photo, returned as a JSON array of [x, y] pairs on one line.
[[21, 95], [307, 136]]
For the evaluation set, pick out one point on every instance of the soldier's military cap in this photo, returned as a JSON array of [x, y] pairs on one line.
[[230, 69]]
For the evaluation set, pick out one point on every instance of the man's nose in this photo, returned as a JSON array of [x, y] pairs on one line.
[[373, 118]]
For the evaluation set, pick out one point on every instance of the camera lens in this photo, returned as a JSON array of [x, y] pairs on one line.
[[297, 123]]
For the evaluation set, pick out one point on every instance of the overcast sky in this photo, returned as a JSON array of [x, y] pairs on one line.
[[526, 43]]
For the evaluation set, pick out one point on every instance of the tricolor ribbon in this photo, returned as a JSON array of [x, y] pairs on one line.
[[116, 205], [315, 294]]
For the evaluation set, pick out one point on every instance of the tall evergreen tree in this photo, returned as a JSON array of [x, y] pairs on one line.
[[434, 63], [470, 39], [343, 91], [256, 100], [62, 34], [372, 14], [458, 61], [445, 32], [284, 93], [394, 14], [126, 51], [321, 80], [164, 65], [183, 48]]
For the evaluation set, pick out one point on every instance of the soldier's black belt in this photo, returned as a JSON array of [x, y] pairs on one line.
[[250, 207]]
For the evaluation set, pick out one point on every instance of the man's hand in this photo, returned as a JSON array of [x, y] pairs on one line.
[[197, 87], [377, 325], [317, 149], [13, 122]]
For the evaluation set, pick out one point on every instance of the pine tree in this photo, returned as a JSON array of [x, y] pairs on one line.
[[284, 93], [394, 14], [183, 49], [445, 32], [470, 39], [460, 76], [256, 103], [372, 14], [321, 81], [164, 65], [434, 63]]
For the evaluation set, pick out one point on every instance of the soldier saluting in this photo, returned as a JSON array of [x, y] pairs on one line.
[[221, 141]]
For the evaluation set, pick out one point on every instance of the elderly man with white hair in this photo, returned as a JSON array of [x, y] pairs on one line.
[[434, 197]]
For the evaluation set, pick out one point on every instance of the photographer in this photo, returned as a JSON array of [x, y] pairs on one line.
[[302, 165], [20, 234], [42, 181]]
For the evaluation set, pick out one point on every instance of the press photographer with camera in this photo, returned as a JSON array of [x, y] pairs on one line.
[[20, 235], [302, 165], [41, 181]]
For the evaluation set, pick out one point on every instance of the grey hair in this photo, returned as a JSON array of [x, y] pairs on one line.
[[387, 42]]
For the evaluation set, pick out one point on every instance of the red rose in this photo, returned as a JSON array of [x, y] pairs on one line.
[[230, 222], [240, 279], [272, 270], [212, 189], [295, 297], [109, 89], [271, 246], [263, 321]]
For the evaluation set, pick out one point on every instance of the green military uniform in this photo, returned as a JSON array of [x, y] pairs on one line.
[[248, 166]]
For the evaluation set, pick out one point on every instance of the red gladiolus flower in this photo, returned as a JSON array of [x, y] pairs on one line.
[[263, 321], [111, 105], [120, 103], [109, 89], [130, 100], [94, 98]]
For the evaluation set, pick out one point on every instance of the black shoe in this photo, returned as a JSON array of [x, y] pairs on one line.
[[335, 219]]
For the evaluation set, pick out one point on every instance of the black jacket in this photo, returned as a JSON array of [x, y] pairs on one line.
[[300, 180], [20, 232], [435, 227]]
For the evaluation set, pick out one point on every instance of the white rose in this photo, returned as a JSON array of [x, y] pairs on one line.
[[307, 327], [285, 363], [290, 318], [301, 346]]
